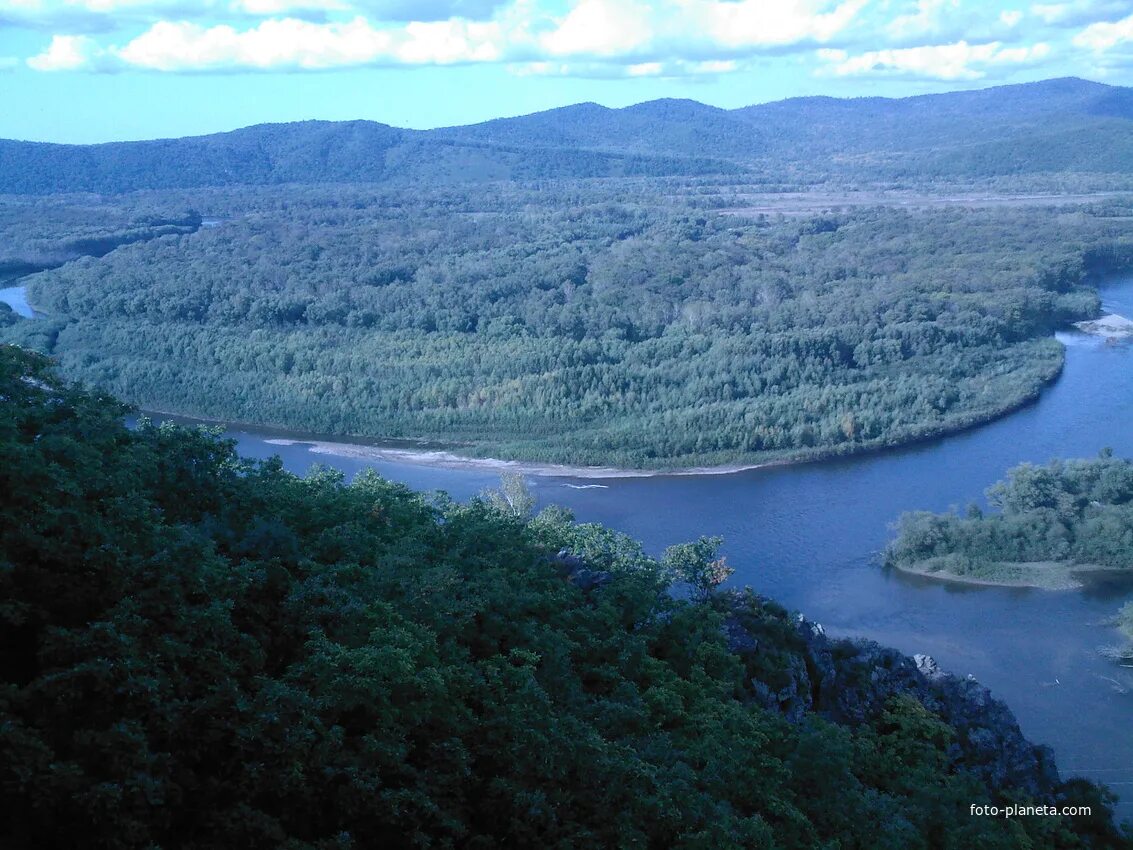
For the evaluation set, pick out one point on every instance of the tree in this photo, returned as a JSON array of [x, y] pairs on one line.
[[513, 496], [698, 564]]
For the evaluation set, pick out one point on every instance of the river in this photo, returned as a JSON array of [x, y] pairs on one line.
[[809, 536], [16, 297]]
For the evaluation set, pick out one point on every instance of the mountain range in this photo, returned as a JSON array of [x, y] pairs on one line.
[[1062, 125]]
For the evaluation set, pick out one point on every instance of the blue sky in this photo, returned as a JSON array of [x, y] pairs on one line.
[[100, 70]]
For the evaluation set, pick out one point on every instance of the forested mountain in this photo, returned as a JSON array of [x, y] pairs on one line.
[[313, 151], [676, 127], [1053, 126], [198, 651], [939, 121]]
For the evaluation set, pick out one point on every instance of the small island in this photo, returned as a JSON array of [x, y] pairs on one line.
[[1052, 525]]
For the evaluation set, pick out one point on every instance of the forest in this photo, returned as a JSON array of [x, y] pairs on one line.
[[582, 322], [40, 233], [199, 651], [661, 286], [1077, 512]]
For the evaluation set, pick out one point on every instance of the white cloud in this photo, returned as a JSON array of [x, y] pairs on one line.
[[959, 61], [297, 44], [646, 37], [65, 53], [1078, 12], [446, 42], [695, 28], [926, 20], [1104, 36], [601, 28], [758, 23], [606, 38]]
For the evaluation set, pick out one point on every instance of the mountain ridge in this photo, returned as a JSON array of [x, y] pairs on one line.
[[1053, 125]]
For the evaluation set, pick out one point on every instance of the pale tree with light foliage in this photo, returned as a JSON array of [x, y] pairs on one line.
[[513, 496]]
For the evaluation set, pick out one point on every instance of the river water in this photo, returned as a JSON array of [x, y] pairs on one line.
[[16, 298], [809, 536]]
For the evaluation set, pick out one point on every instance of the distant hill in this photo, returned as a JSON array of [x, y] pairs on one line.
[[1055, 125], [1064, 125], [672, 127]]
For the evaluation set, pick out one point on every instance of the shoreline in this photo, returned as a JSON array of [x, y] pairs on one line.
[[1036, 575], [451, 460], [447, 457]]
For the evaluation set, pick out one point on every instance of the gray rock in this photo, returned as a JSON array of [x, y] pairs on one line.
[[928, 667]]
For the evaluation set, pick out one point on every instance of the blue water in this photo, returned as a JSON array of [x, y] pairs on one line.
[[810, 535], [16, 298]]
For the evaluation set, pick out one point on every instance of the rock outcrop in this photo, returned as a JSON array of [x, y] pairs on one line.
[[797, 669]]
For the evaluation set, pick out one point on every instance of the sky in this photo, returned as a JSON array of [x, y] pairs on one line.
[[108, 70]]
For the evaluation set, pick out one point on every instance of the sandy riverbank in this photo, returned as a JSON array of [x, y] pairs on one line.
[[449, 460], [1111, 326]]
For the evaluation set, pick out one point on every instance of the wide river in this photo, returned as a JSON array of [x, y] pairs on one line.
[[809, 536]]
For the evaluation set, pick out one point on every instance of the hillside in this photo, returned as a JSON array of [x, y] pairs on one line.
[[1066, 125], [198, 651]]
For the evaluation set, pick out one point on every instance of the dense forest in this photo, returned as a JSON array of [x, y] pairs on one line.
[[581, 322], [1074, 512], [202, 651], [39, 233], [1052, 127], [664, 285]]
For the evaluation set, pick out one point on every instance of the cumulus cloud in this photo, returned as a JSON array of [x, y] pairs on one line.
[[645, 37], [601, 28], [934, 39], [927, 19], [959, 61], [756, 23], [296, 44], [695, 29], [1103, 36], [65, 53]]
